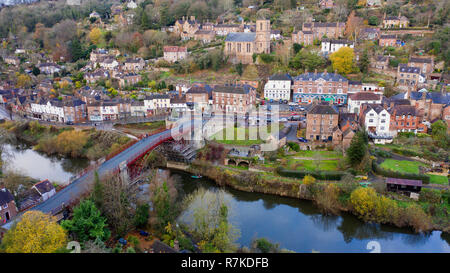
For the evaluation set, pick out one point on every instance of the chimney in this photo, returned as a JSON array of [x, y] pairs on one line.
[[315, 71], [179, 91], [324, 71], [184, 18]]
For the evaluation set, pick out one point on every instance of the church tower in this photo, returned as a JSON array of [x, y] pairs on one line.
[[262, 40]]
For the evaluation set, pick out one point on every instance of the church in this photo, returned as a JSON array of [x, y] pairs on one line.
[[240, 46]]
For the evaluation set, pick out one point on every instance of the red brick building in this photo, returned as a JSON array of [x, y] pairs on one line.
[[404, 118], [233, 98]]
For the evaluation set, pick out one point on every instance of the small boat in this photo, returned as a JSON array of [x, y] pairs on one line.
[[196, 176]]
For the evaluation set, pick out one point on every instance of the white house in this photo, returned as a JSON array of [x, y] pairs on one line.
[[275, 34], [278, 87], [137, 109], [45, 189], [330, 45], [52, 110], [356, 100], [109, 63], [178, 104], [131, 5], [49, 68], [109, 110], [376, 122]]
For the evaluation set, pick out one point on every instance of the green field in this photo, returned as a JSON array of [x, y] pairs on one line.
[[438, 179], [221, 137], [402, 165], [322, 154]]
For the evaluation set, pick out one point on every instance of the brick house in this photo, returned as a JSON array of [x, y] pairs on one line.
[[303, 37], [128, 79], [225, 29], [75, 110], [388, 40], [326, 4], [404, 118], [8, 209], [198, 94], [317, 30], [233, 98], [95, 76], [175, 53], [446, 116], [309, 87], [380, 62], [187, 26], [369, 33], [12, 60], [430, 105], [321, 121]]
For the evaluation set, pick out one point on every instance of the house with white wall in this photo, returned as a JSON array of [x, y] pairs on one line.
[[356, 100], [278, 87]]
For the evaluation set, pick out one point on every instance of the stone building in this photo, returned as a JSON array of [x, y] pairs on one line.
[[321, 122], [8, 209], [426, 65], [175, 53], [388, 40], [395, 21], [317, 30], [240, 46]]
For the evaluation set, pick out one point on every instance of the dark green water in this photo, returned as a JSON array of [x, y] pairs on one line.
[[298, 225]]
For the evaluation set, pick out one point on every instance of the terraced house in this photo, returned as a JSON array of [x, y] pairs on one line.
[[233, 98], [405, 118], [329, 87], [317, 30], [278, 87], [321, 122]]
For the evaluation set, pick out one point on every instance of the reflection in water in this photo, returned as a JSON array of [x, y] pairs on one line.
[[40, 166], [298, 225]]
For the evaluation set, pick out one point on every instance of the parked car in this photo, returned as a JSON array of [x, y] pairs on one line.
[[69, 123], [302, 139]]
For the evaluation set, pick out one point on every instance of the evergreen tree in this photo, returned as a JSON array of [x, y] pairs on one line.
[[364, 62], [358, 148]]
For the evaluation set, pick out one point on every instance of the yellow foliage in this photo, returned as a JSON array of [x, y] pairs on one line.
[[35, 233], [342, 60], [23, 80], [364, 201], [309, 180], [71, 142], [95, 35]]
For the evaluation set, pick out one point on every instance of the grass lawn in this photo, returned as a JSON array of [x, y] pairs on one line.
[[323, 154], [402, 165], [311, 165], [221, 136], [438, 179]]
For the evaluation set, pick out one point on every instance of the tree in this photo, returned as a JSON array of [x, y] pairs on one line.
[[87, 223], [36, 232], [95, 35], [23, 81], [342, 60], [76, 51], [357, 149], [309, 180], [364, 62], [306, 60], [364, 202], [239, 69], [141, 216], [210, 222], [439, 133], [35, 71], [374, 21], [297, 48]]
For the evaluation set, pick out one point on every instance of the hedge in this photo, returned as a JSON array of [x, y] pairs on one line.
[[389, 173], [320, 175], [405, 152]]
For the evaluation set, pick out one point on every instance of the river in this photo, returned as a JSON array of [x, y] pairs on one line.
[[37, 165], [294, 224]]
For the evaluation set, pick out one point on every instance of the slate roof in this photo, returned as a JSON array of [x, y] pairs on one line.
[[404, 110], [44, 186], [409, 69], [240, 37], [233, 89], [388, 36], [376, 107], [5, 196], [436, 97], [315, 76], [323, 110], [280, 77], [420, 60], [365, 96]]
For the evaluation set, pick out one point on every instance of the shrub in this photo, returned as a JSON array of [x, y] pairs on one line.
[[294, 146], [321, 175], [430, 195]]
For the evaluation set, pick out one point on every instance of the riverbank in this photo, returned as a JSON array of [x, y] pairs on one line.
[[66, 141], [431, 213]]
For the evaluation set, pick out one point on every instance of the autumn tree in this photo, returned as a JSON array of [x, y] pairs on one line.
[[342, 60], [71, 143], [23, 81], [95, 35], [353, 25], [36, 232], [364, 201]]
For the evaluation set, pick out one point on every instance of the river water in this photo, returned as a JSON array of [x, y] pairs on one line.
[[40, 166], [294, 224]]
